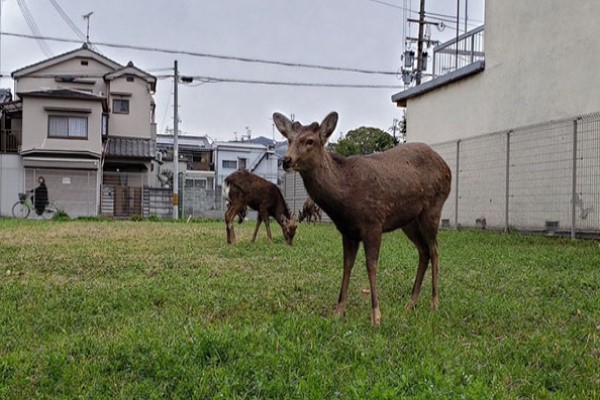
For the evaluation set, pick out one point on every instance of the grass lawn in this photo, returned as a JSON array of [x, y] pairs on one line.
[[142, 310]]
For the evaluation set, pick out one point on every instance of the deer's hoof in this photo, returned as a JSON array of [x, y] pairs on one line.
[[375, 318], [435, 304], [339, 310], [410, 305]]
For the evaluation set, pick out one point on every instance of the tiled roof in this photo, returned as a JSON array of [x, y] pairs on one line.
[[62, 93], [122, 147]]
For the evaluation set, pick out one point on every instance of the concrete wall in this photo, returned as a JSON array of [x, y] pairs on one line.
[[12, 182]]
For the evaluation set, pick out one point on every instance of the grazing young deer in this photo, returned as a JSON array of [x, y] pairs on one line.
[[365, 196], [310, 211], [244, 189]]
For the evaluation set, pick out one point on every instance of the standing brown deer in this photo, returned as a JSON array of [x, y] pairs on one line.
[[365, 196], [244, 189], [310, 211]]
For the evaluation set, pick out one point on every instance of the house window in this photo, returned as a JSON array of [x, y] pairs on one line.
[[242, 163], [129, 79], [67, 127], [121, 106], [229, 164]]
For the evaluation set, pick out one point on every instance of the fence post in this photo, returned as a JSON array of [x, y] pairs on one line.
[[507, 182], [456, 184], [574, 181]]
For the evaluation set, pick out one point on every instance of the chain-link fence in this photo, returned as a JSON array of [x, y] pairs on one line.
[[539, 178], [544, 177], [199, 202]]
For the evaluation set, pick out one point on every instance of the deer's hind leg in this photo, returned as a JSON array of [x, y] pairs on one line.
[[413, 232], [429, 224], [230, 214]]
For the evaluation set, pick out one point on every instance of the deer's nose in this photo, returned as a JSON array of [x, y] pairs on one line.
[[287, 163]]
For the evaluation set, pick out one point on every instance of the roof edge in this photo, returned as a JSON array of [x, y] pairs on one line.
[[402, 98]]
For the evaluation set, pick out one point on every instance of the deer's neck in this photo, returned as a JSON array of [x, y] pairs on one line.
[[326, 182], [282, 212]]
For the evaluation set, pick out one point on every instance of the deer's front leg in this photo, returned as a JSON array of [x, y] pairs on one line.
[[350, 250], [258, 221], [372, 243]]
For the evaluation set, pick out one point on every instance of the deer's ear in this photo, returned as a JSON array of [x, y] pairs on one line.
[[328, 126], [284, 125]]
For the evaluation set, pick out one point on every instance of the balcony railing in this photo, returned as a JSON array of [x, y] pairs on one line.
[[10, 141], [459, 52]]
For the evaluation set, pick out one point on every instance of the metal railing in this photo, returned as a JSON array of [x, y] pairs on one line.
[[459, 52], [10, 141]]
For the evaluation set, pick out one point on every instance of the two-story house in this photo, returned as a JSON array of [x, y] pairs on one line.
[[86, 124]]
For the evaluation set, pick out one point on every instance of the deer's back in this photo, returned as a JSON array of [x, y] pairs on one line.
[[254, 190], [390, 188]]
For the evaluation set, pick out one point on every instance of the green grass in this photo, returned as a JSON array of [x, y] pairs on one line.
[[142, 310]]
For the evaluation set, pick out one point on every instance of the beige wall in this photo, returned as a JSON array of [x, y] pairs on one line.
[[138, 122], [450, 113], [541, 64], [70, 67], [35, 125]]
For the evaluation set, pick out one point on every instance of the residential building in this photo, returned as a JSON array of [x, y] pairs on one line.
[[256, 158], [519, 120], [85, 123], [536, 67]]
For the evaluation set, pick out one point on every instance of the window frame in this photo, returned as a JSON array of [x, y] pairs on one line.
[[67, 134], [230, 162], [118, 110]]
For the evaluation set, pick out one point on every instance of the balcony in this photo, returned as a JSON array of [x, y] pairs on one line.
[[459, 52], [10, 141], [453, 60]]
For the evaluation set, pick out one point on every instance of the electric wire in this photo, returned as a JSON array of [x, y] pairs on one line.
[[432, 15], [208, 55], [208, 79], [67, 19], [34, 28]]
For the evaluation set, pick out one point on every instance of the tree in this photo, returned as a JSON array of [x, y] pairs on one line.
[[365, 140]]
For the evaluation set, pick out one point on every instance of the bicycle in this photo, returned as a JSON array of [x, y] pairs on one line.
[[23, 207]]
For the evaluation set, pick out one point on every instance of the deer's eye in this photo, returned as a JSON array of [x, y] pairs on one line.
[[309, 142]]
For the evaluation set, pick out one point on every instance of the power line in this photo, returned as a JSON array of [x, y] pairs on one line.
[[208, 79], [431, 15], [199, 80], [67, 19], [34, 28], [208, 55]]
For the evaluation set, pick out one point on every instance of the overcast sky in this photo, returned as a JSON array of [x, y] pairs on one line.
[[354, 34]]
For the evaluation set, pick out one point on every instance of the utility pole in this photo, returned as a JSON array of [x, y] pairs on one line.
[[420, 43], [466, 14], [457, 33], [175, 143]]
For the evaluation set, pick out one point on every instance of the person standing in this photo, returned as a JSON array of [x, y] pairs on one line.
[[40, 196]]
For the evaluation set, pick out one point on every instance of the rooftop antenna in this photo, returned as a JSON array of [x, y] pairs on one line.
[[87, 17]]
